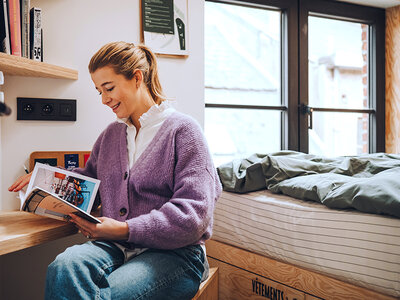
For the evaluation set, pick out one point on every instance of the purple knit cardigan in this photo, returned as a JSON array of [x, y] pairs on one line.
[[170, 192]]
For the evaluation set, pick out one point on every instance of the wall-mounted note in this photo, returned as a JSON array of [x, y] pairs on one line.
[[158, 16], [165, 26]]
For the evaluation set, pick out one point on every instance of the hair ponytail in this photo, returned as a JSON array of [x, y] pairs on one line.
[[153, 82], [125, 58]]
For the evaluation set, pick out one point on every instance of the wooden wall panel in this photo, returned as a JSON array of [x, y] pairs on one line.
[[392, 80]]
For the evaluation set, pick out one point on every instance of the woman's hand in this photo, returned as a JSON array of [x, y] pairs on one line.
[[108, 229], [20, 183]]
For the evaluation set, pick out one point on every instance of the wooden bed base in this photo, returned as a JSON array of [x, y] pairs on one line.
[[246, 275]]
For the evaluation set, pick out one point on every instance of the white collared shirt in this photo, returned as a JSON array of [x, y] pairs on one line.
[[150, 123]]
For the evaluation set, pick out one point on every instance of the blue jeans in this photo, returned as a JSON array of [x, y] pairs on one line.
[[96, 270]]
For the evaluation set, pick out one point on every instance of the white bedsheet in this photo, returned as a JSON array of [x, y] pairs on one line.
[[359, 248]]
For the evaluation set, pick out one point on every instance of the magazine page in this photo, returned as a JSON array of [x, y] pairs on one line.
[[74, 188], [43, 203]]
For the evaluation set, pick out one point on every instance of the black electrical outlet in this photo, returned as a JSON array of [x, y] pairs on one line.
[[46, 109]]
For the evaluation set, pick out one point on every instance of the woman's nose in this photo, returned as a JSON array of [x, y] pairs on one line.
[[105, 99]]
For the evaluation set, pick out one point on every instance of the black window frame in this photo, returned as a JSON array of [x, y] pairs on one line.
[[294, 63]]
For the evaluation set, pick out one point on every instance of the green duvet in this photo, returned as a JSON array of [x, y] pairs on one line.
[[368, 183]]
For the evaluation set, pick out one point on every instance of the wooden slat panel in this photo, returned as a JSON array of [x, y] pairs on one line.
[[238, 284], [392, 118], [14, 65], [300, 279], [20, 230]]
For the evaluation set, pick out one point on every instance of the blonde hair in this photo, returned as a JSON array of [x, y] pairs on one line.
[[125, 58]]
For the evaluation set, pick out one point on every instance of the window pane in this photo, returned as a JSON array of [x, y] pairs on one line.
[[335, 134], [242, 66], [238, 133], [337, 63], [242, 55]]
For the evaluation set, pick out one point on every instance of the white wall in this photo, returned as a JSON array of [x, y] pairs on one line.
[[73, 31]]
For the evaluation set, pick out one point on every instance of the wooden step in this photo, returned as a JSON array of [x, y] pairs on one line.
[[208, 289]]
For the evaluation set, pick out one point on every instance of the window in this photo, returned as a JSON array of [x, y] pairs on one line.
[[338, 87], [281, 76], [242, 80], [342, 100]]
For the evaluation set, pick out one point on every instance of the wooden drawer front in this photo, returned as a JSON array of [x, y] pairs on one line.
[[309, 282], [235, 283], [309, 297]]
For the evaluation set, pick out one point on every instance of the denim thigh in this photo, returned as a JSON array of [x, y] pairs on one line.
[[159, 274], [96, 270], [81, 271]]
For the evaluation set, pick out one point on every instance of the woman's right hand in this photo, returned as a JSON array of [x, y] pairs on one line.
[[20, 183]]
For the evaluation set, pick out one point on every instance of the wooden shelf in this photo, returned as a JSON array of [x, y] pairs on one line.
[[15, 65], [20, 230]]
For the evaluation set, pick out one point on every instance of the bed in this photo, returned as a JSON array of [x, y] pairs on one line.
[[277, 247], [273, 246]]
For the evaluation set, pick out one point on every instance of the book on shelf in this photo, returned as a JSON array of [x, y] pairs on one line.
[[36, 33], [14, 17], [4, 28], [41, 44], [55, 193], [25, 7]]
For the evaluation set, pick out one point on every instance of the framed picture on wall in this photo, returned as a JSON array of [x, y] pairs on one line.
[[165, 26]]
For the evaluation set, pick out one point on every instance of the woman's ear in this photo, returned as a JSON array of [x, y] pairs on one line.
[[138, 77]]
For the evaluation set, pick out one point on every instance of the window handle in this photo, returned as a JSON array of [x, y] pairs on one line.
[[307, 110]]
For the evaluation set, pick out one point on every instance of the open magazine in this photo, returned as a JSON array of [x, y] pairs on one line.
[[56, 193]]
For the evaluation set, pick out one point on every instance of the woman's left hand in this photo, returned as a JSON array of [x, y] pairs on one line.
[[108, 229], [20, 183]]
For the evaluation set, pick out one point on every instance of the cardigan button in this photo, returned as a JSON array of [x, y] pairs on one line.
[[125, 175], [122, 211]]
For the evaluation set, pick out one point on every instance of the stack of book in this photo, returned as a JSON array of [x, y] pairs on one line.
[[21, 31]]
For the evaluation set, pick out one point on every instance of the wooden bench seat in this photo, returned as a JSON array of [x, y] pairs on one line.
[[208, 289]]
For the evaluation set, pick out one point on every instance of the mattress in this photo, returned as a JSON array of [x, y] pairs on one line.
[[359, 248]]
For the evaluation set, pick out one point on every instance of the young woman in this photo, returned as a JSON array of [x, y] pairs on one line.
[[158, 190]]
